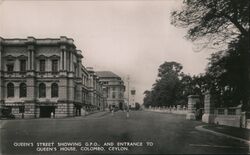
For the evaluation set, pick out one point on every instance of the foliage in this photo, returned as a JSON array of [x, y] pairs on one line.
[[226, 74], [215, 21], [172, 87], [221, 22]]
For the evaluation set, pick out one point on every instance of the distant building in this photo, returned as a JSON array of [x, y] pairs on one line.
[[44, 77], [114, 88], [132, 99]]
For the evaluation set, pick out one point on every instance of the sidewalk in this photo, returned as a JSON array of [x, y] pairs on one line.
[[228, 130], [239, 134]]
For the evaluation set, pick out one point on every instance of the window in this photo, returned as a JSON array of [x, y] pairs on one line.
[[21, 109], [113, 95], [42, 90], [10, 67], [23, 90], [22, 65], [42, 65], [54, 65], [54, 90], [10, 90]]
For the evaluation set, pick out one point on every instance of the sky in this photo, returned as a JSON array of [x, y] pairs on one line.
[[128, 37]]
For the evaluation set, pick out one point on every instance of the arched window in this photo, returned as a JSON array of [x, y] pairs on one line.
[[23, 90], [42, 90], [54, 90], [10, 90]]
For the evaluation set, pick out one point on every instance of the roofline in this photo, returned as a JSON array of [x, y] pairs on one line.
[[30, 40]]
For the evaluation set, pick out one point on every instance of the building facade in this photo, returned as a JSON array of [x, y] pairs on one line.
[[114, 89], [45, 77]]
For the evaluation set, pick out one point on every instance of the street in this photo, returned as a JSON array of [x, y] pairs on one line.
[[159, 133]]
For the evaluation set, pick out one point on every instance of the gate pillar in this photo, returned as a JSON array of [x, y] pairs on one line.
[[208, 116], [192, 100]]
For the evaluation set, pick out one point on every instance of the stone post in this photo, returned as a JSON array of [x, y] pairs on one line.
[[192, 100], [178, 107], [208, 116]]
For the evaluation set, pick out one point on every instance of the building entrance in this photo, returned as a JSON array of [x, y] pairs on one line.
[[45, 111], [120, 106]]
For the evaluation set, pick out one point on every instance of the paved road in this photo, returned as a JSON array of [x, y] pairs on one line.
[[168, 133]]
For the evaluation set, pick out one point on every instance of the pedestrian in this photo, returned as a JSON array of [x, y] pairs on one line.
[[127, 113], [52, 115], [112, 110]]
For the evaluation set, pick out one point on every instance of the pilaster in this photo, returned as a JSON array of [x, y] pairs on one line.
[[63, 88]]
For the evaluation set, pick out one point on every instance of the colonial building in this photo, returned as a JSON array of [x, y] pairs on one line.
[[96, 92], [113, 89], [40, 77]]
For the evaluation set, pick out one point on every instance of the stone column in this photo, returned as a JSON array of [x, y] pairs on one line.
[[65, 60], [31, 58], [79, 67], [71, 61], [63, 57], [192, 100], [61, 60], [208, 116]]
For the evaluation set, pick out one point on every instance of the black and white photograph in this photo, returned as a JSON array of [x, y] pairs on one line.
[[124, 77]]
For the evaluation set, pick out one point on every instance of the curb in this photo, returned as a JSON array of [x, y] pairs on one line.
[[200, 128], [102, 113]]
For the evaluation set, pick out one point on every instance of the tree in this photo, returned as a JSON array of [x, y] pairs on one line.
[[168, 68], [167, 90], [226, 74], [147, 100], [216, 22]]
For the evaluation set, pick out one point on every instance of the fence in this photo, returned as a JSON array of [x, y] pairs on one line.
[[173, 110], [232, 116]]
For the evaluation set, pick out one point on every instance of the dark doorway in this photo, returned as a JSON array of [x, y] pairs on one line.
[[77, 110], [120, 106], [45, 111]]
